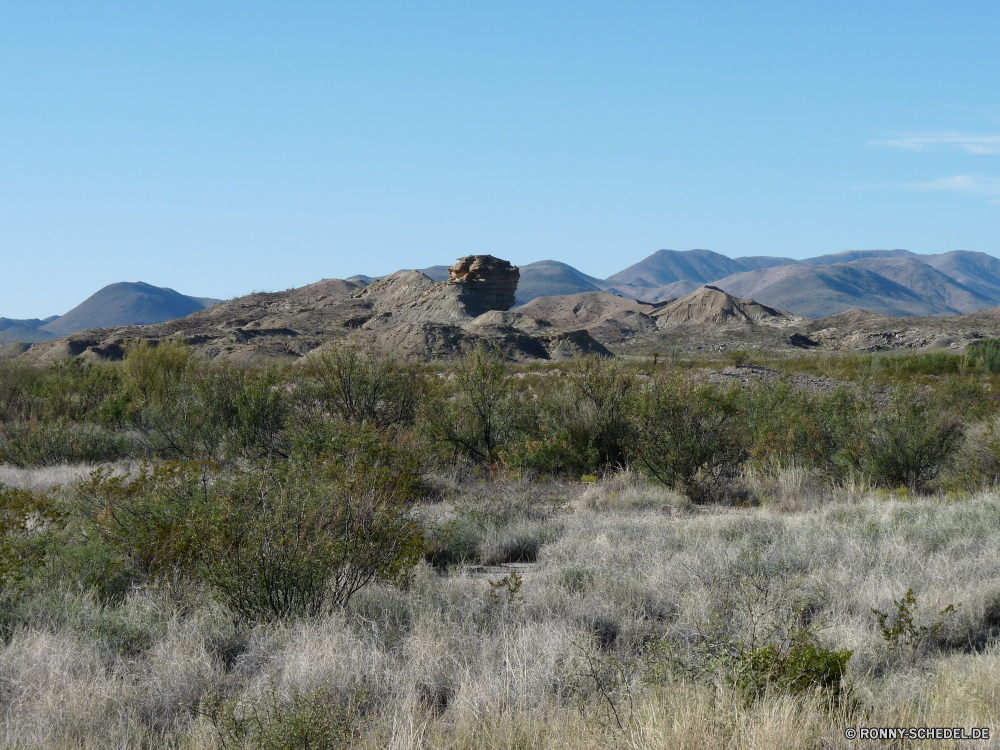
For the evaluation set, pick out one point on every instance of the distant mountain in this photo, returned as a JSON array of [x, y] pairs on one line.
[[667, 266], [549, 278], [126, 303], [977, 271], [23, 331], [850, 255], [928, 283], [435, 273], [892, 282], [757, 262], [824, 290]]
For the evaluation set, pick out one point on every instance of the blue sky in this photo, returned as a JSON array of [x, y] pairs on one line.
[[222, 148]]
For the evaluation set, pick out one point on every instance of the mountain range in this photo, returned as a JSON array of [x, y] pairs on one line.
[[888, 282]]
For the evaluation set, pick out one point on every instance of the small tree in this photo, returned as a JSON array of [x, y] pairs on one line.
[[905, 443], [151, 370], [479, 417], [688, 436], [363, 387], [607, 391], [219, 411]]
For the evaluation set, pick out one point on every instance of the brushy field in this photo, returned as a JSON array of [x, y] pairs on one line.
[[357, 552], [624, 631]]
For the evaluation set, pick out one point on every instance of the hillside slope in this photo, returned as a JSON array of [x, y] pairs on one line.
[[668, 266], [549, 278], [821, 291], [125, 303], [23, 331], [977, 271]]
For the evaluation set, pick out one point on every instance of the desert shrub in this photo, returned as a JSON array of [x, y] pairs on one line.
[[606, 391], [906, 632], [976, 462], [906, 443], [492, 525], [26, 520], [586, 428], [797, 668], [35, 443], [259, 411], [365, 387], [269, 543], [477, 416], [319, 719], [16, 379], [455, 542], [151, 369], [927, 363], [221, 411], [785, 426], [738, 357], [82, 391], [689, 437], [984, 355]]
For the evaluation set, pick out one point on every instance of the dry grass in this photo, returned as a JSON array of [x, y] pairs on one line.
[[47, 478], [454, 662]]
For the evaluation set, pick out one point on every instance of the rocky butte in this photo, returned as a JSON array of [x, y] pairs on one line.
[[484, 283]]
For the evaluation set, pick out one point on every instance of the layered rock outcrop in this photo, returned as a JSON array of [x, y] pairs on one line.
[[484, 283]]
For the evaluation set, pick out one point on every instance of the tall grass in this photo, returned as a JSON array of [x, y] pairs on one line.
[[629, 594]]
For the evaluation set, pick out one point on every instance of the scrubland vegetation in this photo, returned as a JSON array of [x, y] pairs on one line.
[[353, 551]]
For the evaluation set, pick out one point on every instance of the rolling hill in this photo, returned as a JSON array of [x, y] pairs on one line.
[[667, 266], [548, 278], [977, 271], [126, 303], [820, 291], [23, 331]]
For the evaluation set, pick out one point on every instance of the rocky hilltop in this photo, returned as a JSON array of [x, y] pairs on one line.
[[407, 313]]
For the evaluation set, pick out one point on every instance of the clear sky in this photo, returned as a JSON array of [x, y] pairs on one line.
[[221, 148]]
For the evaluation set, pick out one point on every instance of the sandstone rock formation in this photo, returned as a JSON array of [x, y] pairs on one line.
[[484, 283]]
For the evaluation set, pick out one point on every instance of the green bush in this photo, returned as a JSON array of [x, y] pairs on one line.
[[453, 543], [785, 426], [221, 411], [365, 388], [906, 443], [588, 427], [606, 392], [902, 630], [151, 369], [689, 437], [16, 381], [34, 444], [320, 719], [270, 543], [26, 521], [76, 390], [799, 668], [477, 415], [984, 355]]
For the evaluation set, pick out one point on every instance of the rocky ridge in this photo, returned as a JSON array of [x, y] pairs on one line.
[[406, 313], [411, 315]]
